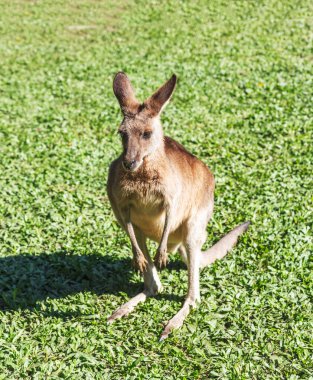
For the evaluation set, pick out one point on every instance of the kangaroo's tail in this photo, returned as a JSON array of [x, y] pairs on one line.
[[223, 246]]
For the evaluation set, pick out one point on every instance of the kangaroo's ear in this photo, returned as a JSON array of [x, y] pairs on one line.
[[160, 98], [125, 94]]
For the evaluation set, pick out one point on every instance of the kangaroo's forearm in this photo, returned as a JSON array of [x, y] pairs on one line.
[[132, 236], [139, 260], [166, 231], [160, 259]]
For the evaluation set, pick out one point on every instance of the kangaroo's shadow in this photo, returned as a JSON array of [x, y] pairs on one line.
[[26, 279]]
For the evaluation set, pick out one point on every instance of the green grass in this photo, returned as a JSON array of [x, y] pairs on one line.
[[243, 104]]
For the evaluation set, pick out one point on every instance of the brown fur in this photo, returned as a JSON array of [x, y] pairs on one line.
[[147, 189], [160, 191]]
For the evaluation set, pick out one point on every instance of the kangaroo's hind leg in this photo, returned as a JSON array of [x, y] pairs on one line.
[[152, 283], [195, 236]]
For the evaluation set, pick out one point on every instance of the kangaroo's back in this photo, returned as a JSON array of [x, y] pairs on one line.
[[195, 177]]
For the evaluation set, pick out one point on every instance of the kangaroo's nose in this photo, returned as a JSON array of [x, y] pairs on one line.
[[129, 164]]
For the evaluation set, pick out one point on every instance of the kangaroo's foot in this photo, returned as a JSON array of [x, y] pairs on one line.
[[128, 307], [178, 320]]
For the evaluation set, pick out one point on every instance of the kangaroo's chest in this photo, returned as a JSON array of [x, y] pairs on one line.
[[145, 199], [144, 188]]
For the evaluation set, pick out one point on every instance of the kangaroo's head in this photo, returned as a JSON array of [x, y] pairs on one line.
[[140, 130]]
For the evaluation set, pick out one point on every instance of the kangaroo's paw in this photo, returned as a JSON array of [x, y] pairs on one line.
[[140, 263], [161, 259]]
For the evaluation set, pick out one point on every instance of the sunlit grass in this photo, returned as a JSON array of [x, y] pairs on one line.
[[243, 104]]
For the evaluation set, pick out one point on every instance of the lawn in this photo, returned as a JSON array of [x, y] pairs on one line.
[[243, 104]]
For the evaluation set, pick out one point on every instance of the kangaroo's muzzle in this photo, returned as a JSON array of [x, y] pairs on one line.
[[130, 165]]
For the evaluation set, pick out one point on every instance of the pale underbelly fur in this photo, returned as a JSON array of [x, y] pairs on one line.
[[151, 223]]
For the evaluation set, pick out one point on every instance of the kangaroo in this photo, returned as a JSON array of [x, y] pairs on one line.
[[160, 191]]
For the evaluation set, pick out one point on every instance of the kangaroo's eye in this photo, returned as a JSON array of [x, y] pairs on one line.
[[146, 135]]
